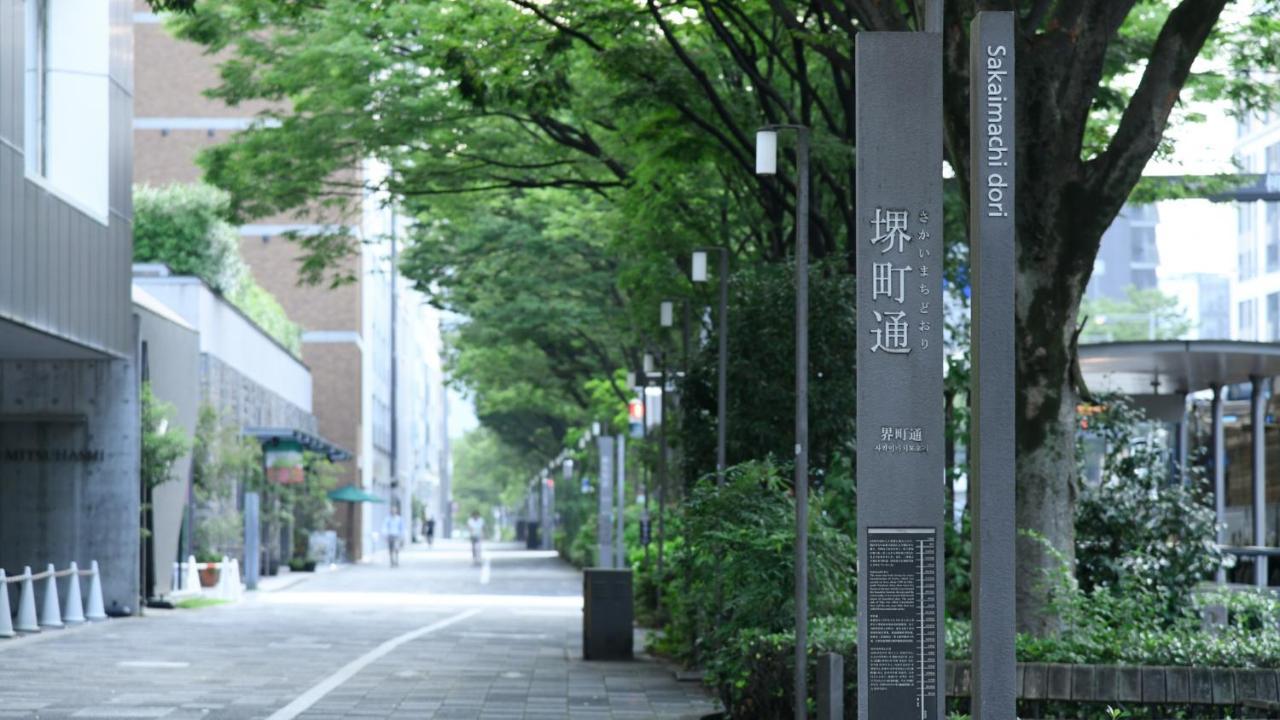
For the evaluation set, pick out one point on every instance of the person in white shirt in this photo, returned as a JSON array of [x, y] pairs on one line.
[[475, 525], [393, 530]]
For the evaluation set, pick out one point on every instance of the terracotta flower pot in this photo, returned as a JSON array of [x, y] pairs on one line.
[[209, 576]]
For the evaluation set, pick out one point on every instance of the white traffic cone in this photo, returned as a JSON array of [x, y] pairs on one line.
[[220, 590], [237, 587], [192, 582], [94, 610], [6, 620], [73, 608], [50, 613], [26, 620]]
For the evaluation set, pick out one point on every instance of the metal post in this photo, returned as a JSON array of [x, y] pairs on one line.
[[395, 264], [722, 375], [252, 549], [1219, 476], [1258, 408], [662, 482], [619, 507], [1184, 438], [802, 420], [993, 378], [544, 522]]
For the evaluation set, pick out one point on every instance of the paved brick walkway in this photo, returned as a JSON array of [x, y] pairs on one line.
[[435, 638]]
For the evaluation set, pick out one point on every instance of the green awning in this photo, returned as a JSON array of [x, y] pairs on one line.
[[351, 493]]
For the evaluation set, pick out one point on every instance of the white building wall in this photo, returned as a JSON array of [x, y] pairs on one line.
[[233, 338], [1255, 306]]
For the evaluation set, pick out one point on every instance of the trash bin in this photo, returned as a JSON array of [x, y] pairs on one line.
[[532, 536], [607, 614]]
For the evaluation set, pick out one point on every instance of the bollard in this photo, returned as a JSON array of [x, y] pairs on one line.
[[73, 607], [95, 610], [50, 613], [830, 686], [26, 620], [6, 620]]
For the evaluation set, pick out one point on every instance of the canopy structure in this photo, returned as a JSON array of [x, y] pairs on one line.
[[1159, 375], [353, 494], [309, 442], [1175, 367]]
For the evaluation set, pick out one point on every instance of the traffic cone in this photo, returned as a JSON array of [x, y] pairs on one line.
[[222, 591], [94, 610], [26, 620], [73, 609], [237, 588], [192, 582], [50, 613], [6, 620]]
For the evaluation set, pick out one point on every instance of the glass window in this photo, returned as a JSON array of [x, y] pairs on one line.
[[1246, 320], [1273, 158], [1142, 246], [1244, 214], [1273, 316], [37, 150], [1273, 237], [1144, 278], [66, 99]]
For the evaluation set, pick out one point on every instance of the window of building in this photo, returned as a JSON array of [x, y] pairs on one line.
[[1273, 316], [1143, 278], [1273, 237], [1273, 158], [1246, 258], [1246, 320], [66, 98], [1142, 246], [1244, 215]]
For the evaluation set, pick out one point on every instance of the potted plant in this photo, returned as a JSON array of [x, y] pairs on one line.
[[208, 575], [301, 564]]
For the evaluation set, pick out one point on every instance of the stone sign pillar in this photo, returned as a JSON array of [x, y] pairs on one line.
[[993, 378], [899, 410], [604, 524]]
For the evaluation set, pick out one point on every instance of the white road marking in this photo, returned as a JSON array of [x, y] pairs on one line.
[[484, 572], [152, 664], [346, 672]]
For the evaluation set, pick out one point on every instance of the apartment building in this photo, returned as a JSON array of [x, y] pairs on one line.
[[1255, 311], [69, 381], [347, 330]]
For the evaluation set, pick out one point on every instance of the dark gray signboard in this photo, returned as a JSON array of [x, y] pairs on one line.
[[604, 526], [991, 261], [900, 427]]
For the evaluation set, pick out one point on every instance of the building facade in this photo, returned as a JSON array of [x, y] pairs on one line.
[[346, 340], [1255, 310], [69, 382]]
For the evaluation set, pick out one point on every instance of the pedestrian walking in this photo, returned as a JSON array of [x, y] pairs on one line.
[[430, 530], [393, 529], [475, 525]]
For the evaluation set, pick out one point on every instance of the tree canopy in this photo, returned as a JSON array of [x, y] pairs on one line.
[[590, 146]]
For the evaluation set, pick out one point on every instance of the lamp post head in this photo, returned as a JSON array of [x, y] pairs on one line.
[[766, 152], [666, 313], [595, 429], [698, 271]]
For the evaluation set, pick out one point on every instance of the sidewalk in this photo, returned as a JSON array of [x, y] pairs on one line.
[[435, 638]]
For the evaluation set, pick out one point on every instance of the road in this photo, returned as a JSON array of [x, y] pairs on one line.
[[434, 638]]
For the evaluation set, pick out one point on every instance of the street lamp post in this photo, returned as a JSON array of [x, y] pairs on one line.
[[767, 164], [699, 274]]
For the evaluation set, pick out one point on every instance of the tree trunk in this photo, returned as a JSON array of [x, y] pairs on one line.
[[1049, 287]]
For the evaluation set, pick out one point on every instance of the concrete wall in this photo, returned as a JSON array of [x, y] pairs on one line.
[[243, 399], [58, 510], [234, 339], [173, 369]]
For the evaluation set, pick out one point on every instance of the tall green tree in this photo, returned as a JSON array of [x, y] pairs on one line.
[[1141, 315], [652, 106]]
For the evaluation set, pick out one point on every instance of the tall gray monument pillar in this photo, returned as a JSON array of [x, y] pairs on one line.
[[604, 523], [900, 427], [992, 380], [620, 506]]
